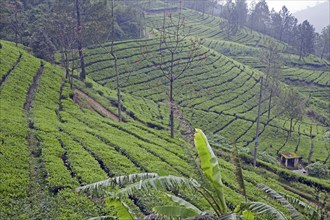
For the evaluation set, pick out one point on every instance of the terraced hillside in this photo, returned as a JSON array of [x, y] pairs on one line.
[[51, 145], [218, 94], [55, 139]]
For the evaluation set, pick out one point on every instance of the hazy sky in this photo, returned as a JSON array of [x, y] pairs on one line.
[[292, 5]]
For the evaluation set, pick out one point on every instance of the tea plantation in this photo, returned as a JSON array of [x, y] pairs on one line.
[[55, 138]]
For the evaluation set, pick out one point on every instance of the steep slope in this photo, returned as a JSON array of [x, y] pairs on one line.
[[217, 94], [53, 145]]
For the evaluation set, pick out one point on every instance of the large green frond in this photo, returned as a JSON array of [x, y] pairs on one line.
[[301, 206], [185, 203], [103, 218], [278, 197], [120, 180], [175, 211], [231, 216], [262, 208], [157, 183], [210, 166], [122, 209]]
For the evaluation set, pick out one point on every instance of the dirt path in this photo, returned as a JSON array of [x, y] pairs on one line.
[[33, 89], [188, 131], [93, 104], [39, 195]]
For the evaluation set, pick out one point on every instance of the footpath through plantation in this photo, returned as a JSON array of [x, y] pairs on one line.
[[128, 126]]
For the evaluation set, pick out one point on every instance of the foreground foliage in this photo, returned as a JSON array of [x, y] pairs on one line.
[[214, 195]]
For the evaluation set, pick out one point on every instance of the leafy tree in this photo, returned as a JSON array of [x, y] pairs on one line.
[[42, 45], [281, 22], [305, 39], [259, 17], [231, 14], [325, 42], [292, 104], [13, 19], [61, 27], [317, 169], [242, 11]]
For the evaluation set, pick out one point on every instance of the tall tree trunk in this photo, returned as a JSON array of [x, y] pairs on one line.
[[72, 67], [251, 25], [257, 128], [299, 136], [67, 72], [290, 130], [118, 87], [270, 103], [114, 55], [311, 151], [301, 50], [16, 30], [171, 107], [81, 54], [323, 50]]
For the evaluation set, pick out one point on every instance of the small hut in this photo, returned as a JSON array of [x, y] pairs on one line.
[[290, 159]]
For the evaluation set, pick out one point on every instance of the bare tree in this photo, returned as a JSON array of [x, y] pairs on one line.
[[114, 56], [257, 128], [270, 57], [292, 104], [174, 43]]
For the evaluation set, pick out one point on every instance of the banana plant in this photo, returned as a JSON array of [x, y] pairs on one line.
[[214, 195], [292, 204]]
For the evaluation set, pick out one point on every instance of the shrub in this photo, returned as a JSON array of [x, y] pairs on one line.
[[317, 170], [100, 92], [89, 84]]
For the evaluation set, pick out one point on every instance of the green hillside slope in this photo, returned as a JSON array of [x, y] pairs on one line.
[[217, 93], [52, 144], [55, 138]]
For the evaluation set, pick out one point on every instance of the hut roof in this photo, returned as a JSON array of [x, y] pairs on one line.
[[290, 155]]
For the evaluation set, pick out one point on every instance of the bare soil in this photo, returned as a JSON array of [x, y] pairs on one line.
[[92, 104]]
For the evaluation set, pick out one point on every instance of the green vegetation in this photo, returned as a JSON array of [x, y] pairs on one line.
[[56, 137]]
